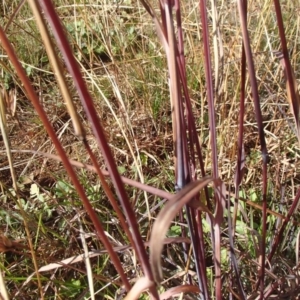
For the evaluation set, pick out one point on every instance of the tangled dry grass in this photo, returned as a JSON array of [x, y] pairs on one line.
[[126, 71]]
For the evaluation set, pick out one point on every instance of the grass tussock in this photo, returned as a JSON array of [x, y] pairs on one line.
[[113, 209]]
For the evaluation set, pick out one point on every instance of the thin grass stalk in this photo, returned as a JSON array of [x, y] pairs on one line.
[[98, 131], [198, 251], [218, 47], [238, 174], [192, 230], [3, 290], [57, 69], [201, 252], [239, 171], [185, 246], [39, 109], [180, 43], [217, 241], [163, 16], [14, 14], [240, 154], [3, 130], [176, 101], [265, 157], [288, 68], [212, 126], [209, 87], [233, 259], [87, 261]]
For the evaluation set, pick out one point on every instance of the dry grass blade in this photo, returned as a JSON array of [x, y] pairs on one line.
[[79, 258], [87, 263], [175, 98], [3, 291], [16, 11], [178, 290], [218, 45], [297, 247], [57, 68], [165, 217], [220, 196], [140, 286], [3, 129], [63, 263]]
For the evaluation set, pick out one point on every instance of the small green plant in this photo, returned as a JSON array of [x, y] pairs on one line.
[[174, 231]]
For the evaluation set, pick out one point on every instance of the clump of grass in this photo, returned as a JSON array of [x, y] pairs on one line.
[[172, 161]]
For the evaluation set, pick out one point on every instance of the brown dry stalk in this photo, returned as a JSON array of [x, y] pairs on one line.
[[293, 103]]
